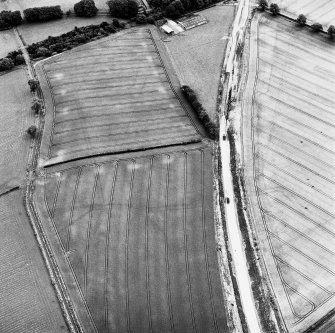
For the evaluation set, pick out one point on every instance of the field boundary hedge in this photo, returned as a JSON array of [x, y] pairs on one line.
[[260, 293], [211, 128], [64, 42]]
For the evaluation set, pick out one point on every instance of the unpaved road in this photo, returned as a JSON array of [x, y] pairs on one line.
[[234, 233]]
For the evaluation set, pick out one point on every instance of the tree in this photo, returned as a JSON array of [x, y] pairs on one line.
[[174, 10], [85, 8], [274, 9], [263, 4], [9, 19], [317, 27], [33, 84], [331, 32], [32, 131], [6, 64], [301, 20], [141, 19], [37, 105], [19, 60], [123, 8]]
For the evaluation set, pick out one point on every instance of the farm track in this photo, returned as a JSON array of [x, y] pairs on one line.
[[293, 170], [202, 273]]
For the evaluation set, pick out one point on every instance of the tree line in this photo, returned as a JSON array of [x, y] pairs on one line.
[[301, 20]]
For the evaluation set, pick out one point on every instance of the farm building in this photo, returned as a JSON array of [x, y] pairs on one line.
[[192, 21]]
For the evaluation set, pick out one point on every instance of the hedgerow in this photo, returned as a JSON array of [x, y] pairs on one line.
[[211, 128], [64, 42], [43, 14], [9, 19]]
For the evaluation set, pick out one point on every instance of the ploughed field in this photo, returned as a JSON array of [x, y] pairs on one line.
[[322, 11], [109, 96], [134, 235], [27, 299], [293, 149], [15, 117]]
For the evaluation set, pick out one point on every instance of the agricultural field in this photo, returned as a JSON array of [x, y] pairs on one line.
[[322, 11], [136, 234], [36, 32], [65, 4], [112, 95], [15, 116], [198, 54], [27, 299], [289, 134], [8, 42]]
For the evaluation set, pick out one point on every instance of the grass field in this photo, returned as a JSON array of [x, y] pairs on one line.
[[138, 235], [8, 42], [198, 53], [322, 11], [33, 33], [112, 95], [15, 116], [27, 299], [292, 146]]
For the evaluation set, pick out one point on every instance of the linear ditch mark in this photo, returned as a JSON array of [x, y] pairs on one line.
[[10, 190], [110, 207], [123, 152]]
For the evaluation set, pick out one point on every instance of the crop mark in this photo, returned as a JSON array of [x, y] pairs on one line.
[[53, 209], [167, 266], [110, 205], [204, 241], [319, 225], [298, 135], [88, 232], [147, 276], [298, 232], [185, 245], [294, 177], [297, 163], [127, 240], [295, 194], [302, 253], [68, 236]]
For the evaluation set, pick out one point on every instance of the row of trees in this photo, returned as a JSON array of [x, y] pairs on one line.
[[67, 41], [176, 8], [301, 19], [9, 19], [211, 128]]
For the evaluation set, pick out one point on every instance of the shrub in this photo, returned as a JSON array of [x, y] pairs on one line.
[[32, 131], [174, 10], [9, 19], [150, 20], [211, 128], [317, 27], [68, 13], [85, 8], [19, 60], [123, 8], [33, 85], [37, 105], [263, 4], [6, 64], [331, 32], [43, 52], [141, 19], [301, 20], [43, 14], [274, 9]]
